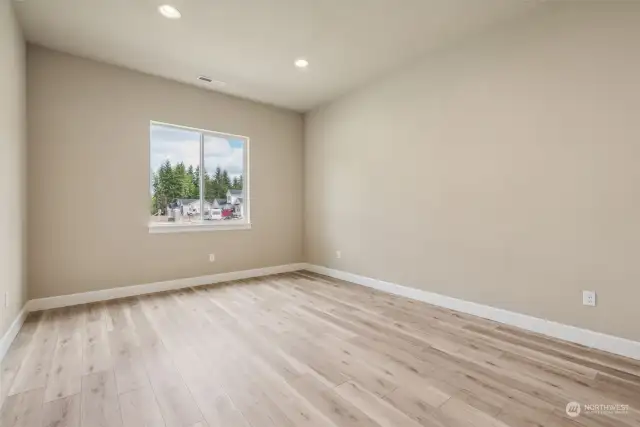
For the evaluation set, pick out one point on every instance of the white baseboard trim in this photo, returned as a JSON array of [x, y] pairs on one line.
[[149, 288], [598, 340], [12, 332]]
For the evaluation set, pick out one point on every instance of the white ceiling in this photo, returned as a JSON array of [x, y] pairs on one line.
[[251, 44]]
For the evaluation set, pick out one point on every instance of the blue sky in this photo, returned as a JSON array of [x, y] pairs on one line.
[[182, 145]]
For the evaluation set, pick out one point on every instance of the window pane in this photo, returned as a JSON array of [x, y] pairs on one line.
[[175, 175], [224, 178]]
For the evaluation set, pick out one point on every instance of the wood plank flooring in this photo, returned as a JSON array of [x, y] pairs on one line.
[[299, 349]]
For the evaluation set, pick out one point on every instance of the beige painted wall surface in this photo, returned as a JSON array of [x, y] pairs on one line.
[[89, 178], [13, 166], [504, 171]]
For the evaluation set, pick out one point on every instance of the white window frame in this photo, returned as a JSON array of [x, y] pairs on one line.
[[244, 224]]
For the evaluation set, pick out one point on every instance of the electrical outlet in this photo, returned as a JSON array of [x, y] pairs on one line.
[[338, 254], [212, 257], [589, 298]]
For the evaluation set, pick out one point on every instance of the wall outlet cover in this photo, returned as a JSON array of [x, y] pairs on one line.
[[589, 298]]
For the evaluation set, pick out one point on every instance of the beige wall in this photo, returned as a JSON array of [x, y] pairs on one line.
[[504, 171], [89, 179], [13, 167]]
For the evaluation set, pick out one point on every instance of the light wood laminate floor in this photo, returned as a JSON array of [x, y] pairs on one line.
[[299, 350]]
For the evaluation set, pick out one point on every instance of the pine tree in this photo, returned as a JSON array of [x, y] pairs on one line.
[[189, 183], [182, 181], [217, 184], [218, 175], [155, 185], [179, 182], [210, 188], [168, 186], [196, 183], [226, 183]]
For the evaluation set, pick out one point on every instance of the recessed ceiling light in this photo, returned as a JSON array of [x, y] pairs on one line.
[[169, 11], [301, 63]]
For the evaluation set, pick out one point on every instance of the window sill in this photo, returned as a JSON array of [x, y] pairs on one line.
[[190, 228]]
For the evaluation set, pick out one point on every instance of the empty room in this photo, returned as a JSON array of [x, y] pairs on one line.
[[319, 213]]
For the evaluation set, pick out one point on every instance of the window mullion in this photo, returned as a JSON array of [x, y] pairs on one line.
[[202, 172]]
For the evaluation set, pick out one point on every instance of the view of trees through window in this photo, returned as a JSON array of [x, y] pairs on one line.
[[178, 158]]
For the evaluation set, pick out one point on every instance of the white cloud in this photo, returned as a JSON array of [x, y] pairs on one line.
[[187, 152], [215, 146], [231, 162], [217, 151]]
